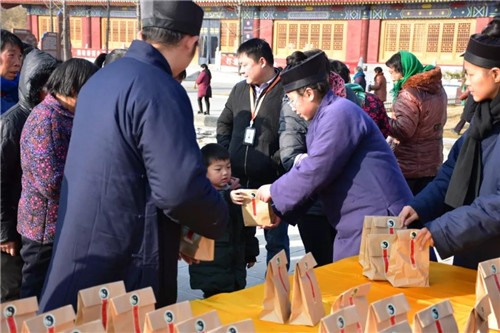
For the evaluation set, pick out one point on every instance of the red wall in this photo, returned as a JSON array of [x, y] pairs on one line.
[[373, 41], [266, 31], [95, 28], [86, 38], [481, 22], [353, 45], [34, 25]]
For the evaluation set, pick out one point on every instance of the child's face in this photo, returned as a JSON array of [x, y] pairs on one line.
[[219, 173]]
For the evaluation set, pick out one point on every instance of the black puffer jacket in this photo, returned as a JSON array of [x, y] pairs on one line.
[[36, 70]]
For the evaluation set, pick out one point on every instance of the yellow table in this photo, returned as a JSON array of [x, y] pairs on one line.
[[446, 282]]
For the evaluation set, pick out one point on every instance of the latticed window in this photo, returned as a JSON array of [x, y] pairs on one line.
[[229, 33], [44, 25], [75, 28], [122, 32], [329, 36], [439, 41]]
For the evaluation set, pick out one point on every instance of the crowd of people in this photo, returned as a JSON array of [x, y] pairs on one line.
[[101, 168]]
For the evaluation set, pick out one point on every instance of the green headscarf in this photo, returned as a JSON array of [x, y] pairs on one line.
[[410, 66], [358, 90]]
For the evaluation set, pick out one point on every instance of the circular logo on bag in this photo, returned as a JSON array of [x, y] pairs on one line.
[[493, 268], [391, 310], [435, 313], [306, 266], [76, 331], [199, 325], [169, 316], [413, 234], [253, 195], [49, 321], [384, 244], [354, 292], [9, 311], [232, 329], [278, 261], [340, 322], [134, 299], [391, 223], [104, 293]]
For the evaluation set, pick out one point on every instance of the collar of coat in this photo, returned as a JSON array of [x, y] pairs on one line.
[[428, 81], [147, 53]]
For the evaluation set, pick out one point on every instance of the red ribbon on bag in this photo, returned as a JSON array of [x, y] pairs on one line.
[[281, 279], [190, 234], [497, 282], [393, 320], [254, 207], [391, 231], [386, 261], [171, 328], [104, 312], [351, 301], [412, 253], [438, 326], [51, 330], [12, 324], [136, 319], [312, 286]]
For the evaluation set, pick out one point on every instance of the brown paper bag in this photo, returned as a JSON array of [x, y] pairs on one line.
[[89, 327], [255, 212], [437, 318], [387, 312], [402, 327], [307, 303], [206, 322], [93, 303], [478, 318], [488, 282], [127, 312], [164, 319], [354, 296], [346, 319], [376, 225], [244, 326], [196, 246], [408, 265], [61, 319], [379, 250], [276, 305], [14, 313]]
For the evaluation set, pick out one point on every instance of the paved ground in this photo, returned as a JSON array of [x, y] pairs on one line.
[[222, 83]]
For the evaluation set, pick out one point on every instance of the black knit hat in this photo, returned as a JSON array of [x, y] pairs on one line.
[[307, 72], [181, 16], [483, 51]]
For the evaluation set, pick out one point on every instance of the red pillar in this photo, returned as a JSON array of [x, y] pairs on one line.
[[95, 32], [373, 42], [266, 31], [365, 23], [353, 43], [33, 20], [481, 22], [86, 33], [256, 28]]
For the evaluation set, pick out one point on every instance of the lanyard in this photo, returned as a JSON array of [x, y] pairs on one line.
[[255, 108]]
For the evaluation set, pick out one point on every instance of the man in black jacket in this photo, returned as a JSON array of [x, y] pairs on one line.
[[248, 127], [36, 70]]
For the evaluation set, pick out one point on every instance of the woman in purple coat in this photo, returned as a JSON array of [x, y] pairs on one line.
[[204, 88], [348, 164]]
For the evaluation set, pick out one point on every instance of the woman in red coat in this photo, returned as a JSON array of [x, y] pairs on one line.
[[204, 89]]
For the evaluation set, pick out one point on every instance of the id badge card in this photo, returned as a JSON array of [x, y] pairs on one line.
[[249, 136]]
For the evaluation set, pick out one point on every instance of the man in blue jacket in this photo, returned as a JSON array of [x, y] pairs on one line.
[[134, 172]]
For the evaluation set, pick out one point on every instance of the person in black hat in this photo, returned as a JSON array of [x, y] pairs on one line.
[[133, 172], [460, 209], [348, 166]]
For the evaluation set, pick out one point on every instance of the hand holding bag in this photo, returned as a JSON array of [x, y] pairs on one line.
[[14, 313], [354, 296], [488, 283], [165, 318], [276, 305], [256, 212], [437, 318], [386, 313], [343, 320]]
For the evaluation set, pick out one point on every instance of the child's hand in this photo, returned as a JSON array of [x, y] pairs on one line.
[[187, 259], [237, 197], [424, 238], [234, 183], [250, 264]]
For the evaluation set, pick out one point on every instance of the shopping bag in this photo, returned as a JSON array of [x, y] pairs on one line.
[[93, 303], [402, 327], [478, 318], [376, 225], [58, 320], [488, 282], [387, 312], [89, 327], [437, 318], [14, 313], [244, 326], [307, 303], [202, 323], [378, 249], [408, 265], [354, 296], [255, 212], [127, 312], [165, 318], [196, 246], [276, 305], [346, 319]]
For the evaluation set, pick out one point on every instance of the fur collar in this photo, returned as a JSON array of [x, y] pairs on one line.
[[428, 81]]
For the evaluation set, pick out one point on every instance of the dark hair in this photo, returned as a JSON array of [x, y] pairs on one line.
[[257, 48], [294, 59], [182, 75], [46, 64], [205, 68], [492, 29], [70, 76], [213, 152], [395, 63], [100, 59], [162, 36], [341, 69], [378, 70], [27, 48], [113, 56], [8, 37]]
